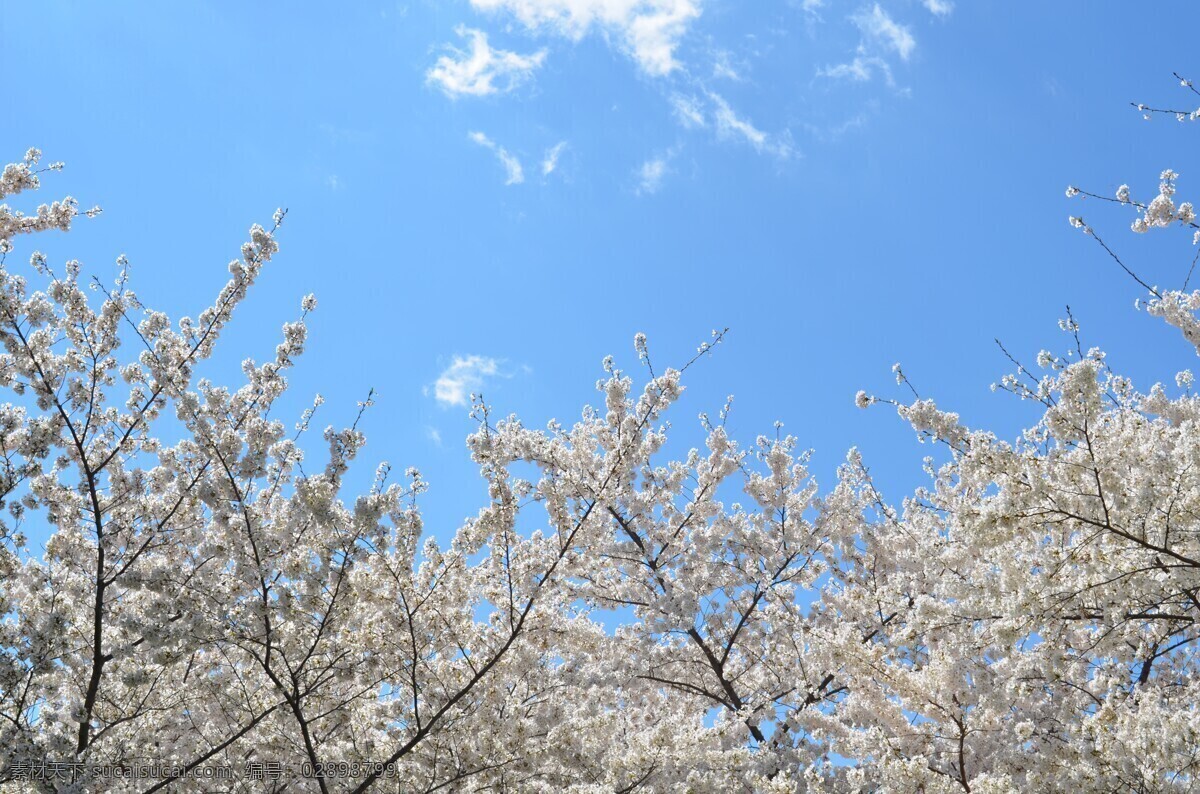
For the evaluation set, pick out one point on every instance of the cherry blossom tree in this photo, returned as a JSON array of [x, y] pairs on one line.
[[211, 600], [209, 597], [1040, 596]]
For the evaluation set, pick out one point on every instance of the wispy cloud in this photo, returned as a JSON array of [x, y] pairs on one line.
[[550, 159], [697, 112], [833, 132], [512, 166], [482, 70], [939, 8], [878, 26], [723, 66], [650, 174], [648, 30], [688, 110], [433, 435], [465, 376], [730, 125], [861, 69]]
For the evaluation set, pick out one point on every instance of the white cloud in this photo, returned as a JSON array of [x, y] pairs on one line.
[[512, 166], [730, 125], [858, 70], [689, 111], [482, 70], [550, 161], [877, 25], [939, 8], [648, 30], [433, 435], [861, 69], [723, 67], [650, 175], [465, 376], [694, 112], [834, 132]]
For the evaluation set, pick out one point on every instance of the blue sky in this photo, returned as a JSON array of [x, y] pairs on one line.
[[522, 185]]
